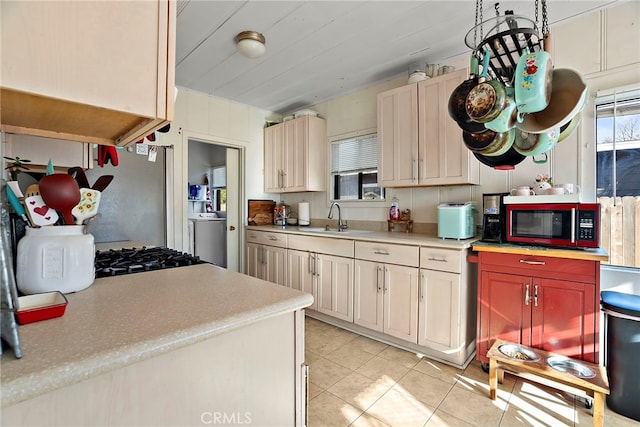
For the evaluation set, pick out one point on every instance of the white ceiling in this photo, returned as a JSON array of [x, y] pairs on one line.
[[319, 50]]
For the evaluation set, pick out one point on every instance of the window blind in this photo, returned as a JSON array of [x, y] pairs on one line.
[[355, 154]]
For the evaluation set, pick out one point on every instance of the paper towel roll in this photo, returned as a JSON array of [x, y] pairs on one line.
[[303, 213]]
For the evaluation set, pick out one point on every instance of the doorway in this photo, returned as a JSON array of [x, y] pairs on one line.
[[215, 169]]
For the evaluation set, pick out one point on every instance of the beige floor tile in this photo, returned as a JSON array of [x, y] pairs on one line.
[[327, 410], [325, 373], [475, 379], [349, 357], [439, 370], [538, 404], [367, 420], [444, 419], [397, 407], [361, 391], [311, 356], [427, 389], [368, 345], [339, 335], [474, 408], [403, 357], [378, 367], [321, 343], [314, 390]]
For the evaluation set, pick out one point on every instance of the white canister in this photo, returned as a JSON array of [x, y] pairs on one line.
[[303, 213], [55, 258]]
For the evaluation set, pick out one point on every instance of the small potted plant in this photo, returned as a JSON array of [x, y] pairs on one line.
[[16, 166]]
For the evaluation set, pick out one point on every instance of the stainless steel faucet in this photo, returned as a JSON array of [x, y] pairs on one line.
[[341, 225]]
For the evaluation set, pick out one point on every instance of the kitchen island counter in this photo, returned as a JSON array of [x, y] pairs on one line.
[[589, 254], [121, 321]]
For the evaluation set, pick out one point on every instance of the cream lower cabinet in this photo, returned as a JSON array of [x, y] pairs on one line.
[[324, 268], [420, 145], [445, 315], [386, 294], [266, 256]]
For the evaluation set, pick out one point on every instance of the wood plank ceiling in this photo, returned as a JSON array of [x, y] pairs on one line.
[[319, 50]]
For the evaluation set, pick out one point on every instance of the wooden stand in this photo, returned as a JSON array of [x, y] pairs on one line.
[[408, 224], [596, 387]]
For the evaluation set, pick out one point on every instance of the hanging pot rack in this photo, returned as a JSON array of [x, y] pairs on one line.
[[507, 37]]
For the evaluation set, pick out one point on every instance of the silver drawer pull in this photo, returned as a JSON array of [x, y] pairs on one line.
[[437, 259], [273, 238], [380, 252], [524, 261]]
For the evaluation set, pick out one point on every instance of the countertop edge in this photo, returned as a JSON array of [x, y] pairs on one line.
[[596, 254], [411, 239], [48, 380]]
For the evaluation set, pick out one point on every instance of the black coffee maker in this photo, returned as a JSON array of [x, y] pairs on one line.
[[494, 218]]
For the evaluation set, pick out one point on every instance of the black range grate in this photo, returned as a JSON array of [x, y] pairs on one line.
[[136, 260]]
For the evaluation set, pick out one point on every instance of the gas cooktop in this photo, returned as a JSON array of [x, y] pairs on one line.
[[136, 260]]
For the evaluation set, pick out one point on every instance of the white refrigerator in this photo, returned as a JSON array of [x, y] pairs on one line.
[[208, 239]]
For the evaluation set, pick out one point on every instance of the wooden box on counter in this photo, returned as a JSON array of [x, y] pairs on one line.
[[260, 212]]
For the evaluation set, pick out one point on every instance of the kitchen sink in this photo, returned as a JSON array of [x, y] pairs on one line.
[[323, 230]]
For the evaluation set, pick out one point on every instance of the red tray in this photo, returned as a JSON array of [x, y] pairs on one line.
[[37, 307]]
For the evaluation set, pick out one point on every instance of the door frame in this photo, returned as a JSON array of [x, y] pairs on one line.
[[186, 137]]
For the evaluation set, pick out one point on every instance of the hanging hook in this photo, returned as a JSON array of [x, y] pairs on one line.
[[497, 8]]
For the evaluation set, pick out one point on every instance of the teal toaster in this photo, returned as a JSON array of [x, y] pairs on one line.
[[455, 220]]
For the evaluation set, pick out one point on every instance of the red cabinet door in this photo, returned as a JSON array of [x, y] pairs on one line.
[[561, 321], [503, 312]]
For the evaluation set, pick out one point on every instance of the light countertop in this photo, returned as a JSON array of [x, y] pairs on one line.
[[595, 254], [400, 238], [121, 320]]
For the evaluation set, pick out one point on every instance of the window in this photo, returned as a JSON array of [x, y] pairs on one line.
[[618, 144], [354, 169], [618, 174]]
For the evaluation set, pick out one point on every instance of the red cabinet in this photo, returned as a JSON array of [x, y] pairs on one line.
[[542, 302]]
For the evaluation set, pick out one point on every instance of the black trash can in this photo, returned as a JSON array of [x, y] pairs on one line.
[[622, 351]]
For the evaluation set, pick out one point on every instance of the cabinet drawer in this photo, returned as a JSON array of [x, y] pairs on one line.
[[388, 253], [323, 245], [267, 238], [541, 266], [441, 259]]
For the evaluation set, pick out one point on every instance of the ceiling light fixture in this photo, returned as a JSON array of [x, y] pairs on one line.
[[250, 44]]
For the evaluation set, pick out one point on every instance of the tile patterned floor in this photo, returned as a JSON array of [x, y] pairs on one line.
[[356, 381]]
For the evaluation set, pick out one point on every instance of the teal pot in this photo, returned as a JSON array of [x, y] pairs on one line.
[[569, 95], [533, 144], [533, 82]]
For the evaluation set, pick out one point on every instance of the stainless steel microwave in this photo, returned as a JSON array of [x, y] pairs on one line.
[[554, 224]]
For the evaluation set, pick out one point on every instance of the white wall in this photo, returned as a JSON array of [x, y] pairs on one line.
[[603, 46], [206, 118]]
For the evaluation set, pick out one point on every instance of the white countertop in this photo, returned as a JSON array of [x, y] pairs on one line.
[[400, 238], [121, 320]]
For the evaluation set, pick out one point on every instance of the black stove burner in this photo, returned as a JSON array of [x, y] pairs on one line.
[[127, 261]]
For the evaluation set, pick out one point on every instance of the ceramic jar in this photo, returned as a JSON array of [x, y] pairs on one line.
[[55, 258]]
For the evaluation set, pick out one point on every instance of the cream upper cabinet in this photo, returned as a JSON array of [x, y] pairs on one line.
[[97, 72], [63, 154], [420, 145], [398, 137], [295, 156]]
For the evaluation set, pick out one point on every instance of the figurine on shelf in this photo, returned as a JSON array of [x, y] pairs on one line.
[[543, 184]]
